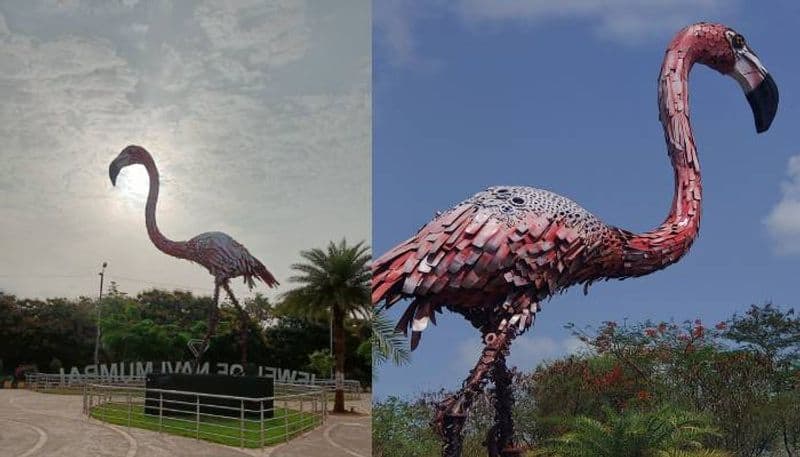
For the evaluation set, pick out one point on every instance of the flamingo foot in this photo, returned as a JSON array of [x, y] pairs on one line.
[[453, 441], [213, 320], [451, 413], [500, 439], [448, 423], [244, 319]]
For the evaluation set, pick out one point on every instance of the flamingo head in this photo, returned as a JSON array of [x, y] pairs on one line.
[[130, 155], [725, 50], [755, 81]]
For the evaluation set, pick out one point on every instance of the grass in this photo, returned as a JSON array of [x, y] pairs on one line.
[[226, 431]]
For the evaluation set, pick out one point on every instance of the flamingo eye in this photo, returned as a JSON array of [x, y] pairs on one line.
[[737, 41]]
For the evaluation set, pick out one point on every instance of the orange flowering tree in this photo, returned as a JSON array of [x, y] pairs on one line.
[[743, 374]]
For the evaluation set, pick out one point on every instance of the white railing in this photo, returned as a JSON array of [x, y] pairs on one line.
[[47, 381], [350, 385], [226, 419], [51, 381]]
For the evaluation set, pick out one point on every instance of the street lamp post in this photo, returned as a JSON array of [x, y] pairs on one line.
[[330, 328], [99, 299]]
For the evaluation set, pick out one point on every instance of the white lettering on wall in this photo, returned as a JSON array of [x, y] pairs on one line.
[[121, 371]]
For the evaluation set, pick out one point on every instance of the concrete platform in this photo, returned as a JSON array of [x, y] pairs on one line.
[[38, 425]]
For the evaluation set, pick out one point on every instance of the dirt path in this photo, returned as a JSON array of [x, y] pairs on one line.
[[39, 425]]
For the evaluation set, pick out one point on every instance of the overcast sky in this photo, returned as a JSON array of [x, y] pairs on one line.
[[257, 114], [562, 96]]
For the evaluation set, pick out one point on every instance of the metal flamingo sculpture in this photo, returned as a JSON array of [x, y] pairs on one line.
[[494, 257], [222, 256]]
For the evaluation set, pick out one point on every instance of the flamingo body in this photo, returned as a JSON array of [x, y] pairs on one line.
[[509, 245], [226, 258]]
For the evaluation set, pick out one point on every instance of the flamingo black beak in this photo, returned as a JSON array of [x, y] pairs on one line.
[[764, 103], [758, 86], [113, 171]]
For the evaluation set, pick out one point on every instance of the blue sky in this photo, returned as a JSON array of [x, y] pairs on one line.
[[562, 96]]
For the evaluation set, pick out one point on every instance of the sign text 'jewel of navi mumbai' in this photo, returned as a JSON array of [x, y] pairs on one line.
[[122, 371]]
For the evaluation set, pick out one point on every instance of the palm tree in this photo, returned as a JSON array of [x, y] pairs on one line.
[[666, 432], [336, 280], [387, 343]]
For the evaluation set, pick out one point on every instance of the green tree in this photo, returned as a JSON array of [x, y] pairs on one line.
[[335, 280], [768, 330], [773, 335], [226, 343], [665, 432], [320, 362], [132, 331], [401, 429], [687, 365], [155, 325], [36, 331], [260, 310]]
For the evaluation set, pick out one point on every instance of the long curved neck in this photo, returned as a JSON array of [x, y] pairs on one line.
[[165, 245], [646, 252]]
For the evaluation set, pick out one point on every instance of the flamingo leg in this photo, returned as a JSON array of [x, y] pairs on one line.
[[451, 414], [500, 439], [244, 320], [213, 319]]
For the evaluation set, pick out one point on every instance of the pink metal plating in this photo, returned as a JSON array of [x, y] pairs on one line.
[[220, 254], [494, 257]]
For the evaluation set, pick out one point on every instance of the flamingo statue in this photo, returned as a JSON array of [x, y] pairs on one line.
[[222, 256], [495, 256]]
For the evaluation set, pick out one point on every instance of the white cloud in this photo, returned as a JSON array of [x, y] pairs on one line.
[[622, 20], [527, 351], [393, 19], [394, 22], [263, 33], [136, 33], [783, 222]]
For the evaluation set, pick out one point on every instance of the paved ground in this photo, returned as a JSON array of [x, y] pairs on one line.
[[39, 425]]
